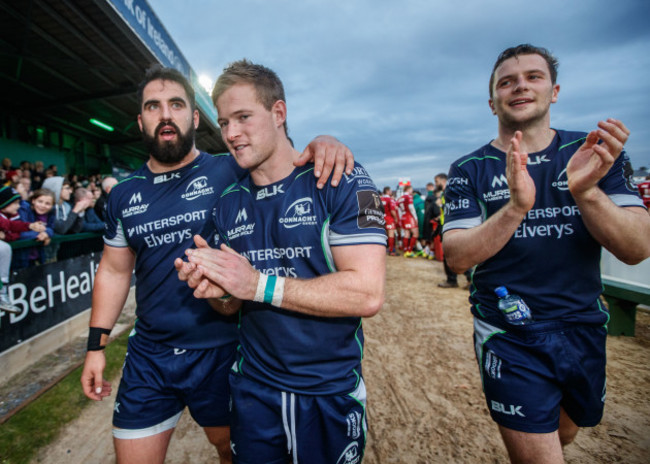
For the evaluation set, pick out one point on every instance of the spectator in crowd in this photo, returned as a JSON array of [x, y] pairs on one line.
[[68, 218], [91, 222], [5, 267], [100, 205], [12, 178], [24, 187], [10, 224], [39, 208], [26, 167], [418, 205], [431, 226], [6, 167], [38, 175]]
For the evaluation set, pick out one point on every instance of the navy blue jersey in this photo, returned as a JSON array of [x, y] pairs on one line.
[[552, 261], [288, 229], [156, 215]]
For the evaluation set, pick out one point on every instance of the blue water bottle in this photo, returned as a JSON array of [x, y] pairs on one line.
[[513, 307]]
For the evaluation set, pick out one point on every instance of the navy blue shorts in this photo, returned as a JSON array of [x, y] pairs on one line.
[[528, 373], [158, 381], [273, 426]]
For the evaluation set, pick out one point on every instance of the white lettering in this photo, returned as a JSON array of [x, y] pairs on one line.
[[59, 288], [170, 221], [72, 285], [38, 294], [54, 288], [267, 254], [511, 410]]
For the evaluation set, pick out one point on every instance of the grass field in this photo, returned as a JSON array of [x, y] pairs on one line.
[[39, 423]]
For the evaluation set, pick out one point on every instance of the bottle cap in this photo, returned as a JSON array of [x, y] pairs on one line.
[[501, 291]]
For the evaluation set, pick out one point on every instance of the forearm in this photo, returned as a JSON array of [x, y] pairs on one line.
[[351, 293], [356, 289], [61, 227], [465, 248], [109, 295], [625, 232]]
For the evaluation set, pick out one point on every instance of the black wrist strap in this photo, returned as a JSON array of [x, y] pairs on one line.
[[97, 338]]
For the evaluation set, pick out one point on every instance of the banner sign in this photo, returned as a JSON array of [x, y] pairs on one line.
[[47, 295], [145, 24]]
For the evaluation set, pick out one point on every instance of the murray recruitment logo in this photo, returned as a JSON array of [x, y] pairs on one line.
[[241, 216], [241, 226], [197, 188], [135, 207], [499, 181], [299, 213]]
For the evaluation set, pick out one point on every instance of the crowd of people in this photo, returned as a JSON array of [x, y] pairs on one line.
[[36, 205], [414, 224]]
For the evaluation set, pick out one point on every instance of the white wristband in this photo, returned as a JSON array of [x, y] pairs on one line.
[[270, 289]]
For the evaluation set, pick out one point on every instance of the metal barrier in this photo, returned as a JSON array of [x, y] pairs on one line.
[[624, 287]]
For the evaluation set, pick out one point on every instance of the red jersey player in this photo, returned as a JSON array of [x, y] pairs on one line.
[[644, 191], [409, 221], [390, 216]]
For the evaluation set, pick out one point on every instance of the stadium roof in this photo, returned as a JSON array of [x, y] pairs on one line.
[[64, 62]]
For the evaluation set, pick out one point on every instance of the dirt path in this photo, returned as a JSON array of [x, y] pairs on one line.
[[424, 398]]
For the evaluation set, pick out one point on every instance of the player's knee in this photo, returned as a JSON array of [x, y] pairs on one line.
[[225, 457], [220, 439], [567, 436]]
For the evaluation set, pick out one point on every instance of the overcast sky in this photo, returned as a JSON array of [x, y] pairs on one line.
[[405, 83]]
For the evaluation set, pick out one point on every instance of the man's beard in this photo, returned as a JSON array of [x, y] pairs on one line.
[[169, 152]]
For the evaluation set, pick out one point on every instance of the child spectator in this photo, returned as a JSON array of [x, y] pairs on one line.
[[40, 208], [68, 218], [12, 178], [10, 230], [10, 223]]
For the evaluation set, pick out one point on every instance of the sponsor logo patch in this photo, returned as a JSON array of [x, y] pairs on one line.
[[354, 424], [197, 188], [299, 213], [350, 454], [562, 182], [166, 177], [135, 208], [269, 192], [371, 210]]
